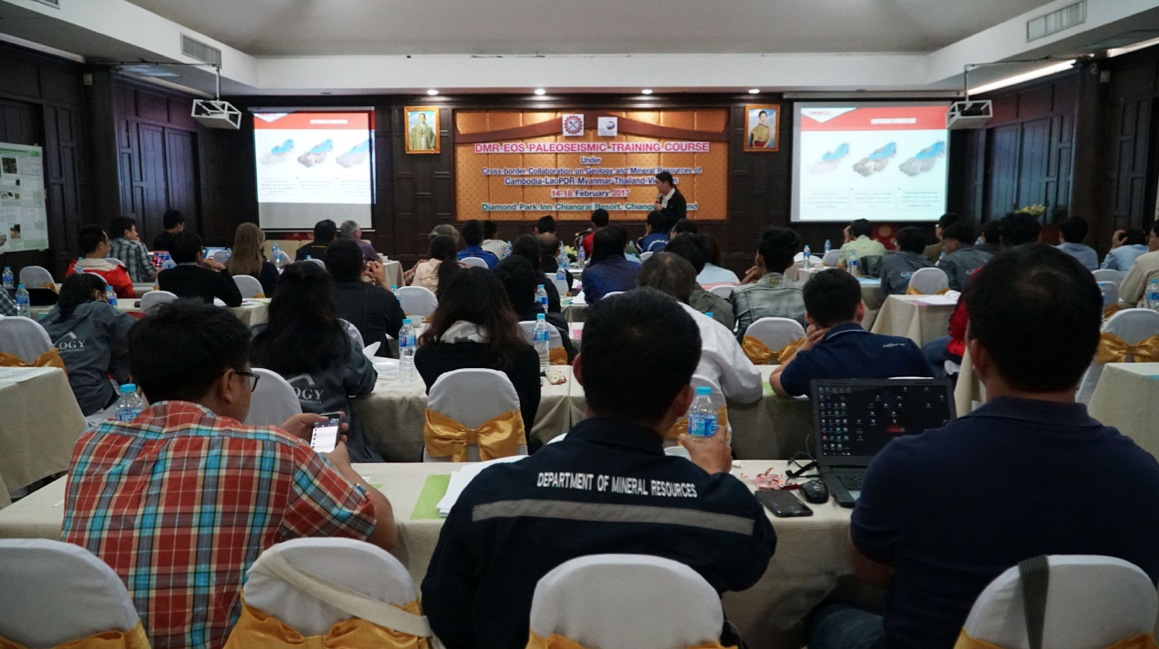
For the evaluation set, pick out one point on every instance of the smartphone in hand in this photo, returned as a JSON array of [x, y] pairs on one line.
[[325, 435]]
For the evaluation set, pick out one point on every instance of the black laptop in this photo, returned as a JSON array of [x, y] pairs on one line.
[[856, 418]]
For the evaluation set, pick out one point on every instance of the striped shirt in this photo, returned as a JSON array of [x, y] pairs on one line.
[[180, 502], [7, 306], [136, 258]]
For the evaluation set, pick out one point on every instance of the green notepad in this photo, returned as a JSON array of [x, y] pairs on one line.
[[426, 507]]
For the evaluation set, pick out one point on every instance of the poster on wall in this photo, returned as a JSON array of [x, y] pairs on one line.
[[23, 214], [422, 129], [762, 123]]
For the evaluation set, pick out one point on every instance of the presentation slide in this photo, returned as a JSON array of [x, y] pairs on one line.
[[312, 166], [879, 161]]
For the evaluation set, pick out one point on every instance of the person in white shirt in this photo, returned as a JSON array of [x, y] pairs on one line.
[[497, 247]]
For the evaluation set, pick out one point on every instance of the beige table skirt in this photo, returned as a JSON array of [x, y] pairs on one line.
[[40, 422], [251, 312], [901, 316], [1125, 398]]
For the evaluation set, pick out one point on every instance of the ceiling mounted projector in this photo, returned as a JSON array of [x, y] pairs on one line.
[[215, 113], [969, 114]]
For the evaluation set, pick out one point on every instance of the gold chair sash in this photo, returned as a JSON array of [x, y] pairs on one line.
[[1141, 641], [500, 437], [259, 296], [256, 630], [50, 358], [682, 425], [558, 356], [1111, 310], [134, 639], [556, 641], [51, 285], [1113, 349], [760, 354], [913, 291]]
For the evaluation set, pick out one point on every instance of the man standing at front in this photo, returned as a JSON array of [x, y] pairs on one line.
[[669, 201], [608, 487]]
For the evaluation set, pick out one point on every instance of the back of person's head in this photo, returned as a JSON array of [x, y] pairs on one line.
[[1134, 237], [691, 246], [1018, 228], [1074, 229], [246, 256], [548, 244], [643, 323], [325, 231], [911, 239], [831, 297], [77, 289], [303, 333], [119, 226], [477, 296], [172, 219], [519, 279], [344, 260], [183, 347], [948, 219], [668, 273], [685, 225], [545, 224], [489, 229], [90, 238], [527, 246], [777, 247], [713, 250], [600, 218], [446, 230], [656, 220], [473, 232], [443, 249], [349, 229], [185, 248], [1038, 313], [959, 232], [606, 244], [992, 231], [860, 228]]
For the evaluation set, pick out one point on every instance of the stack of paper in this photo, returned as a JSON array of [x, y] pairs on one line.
[[460, 479], [946, 299]]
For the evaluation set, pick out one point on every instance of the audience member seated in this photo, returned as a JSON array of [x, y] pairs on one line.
[[545, 225], [1127, 246], [655, 234], [991, 238], [305, 343], [898, 267], [527, 246], [94, 247], [7, 305], [765, 292], [836, 347], [475, 326], [694, 248], [89, 334], [125, 245], [182, 500], [1074, 231], [933, 252], [478, 588], [599, 221], [248, 258], [608, 270], [548, 250], [682, 226], [857, 241], [721, 358], [351, 230], [195, 276], [325, 231], [174, 223], [436, 271], [497, 247], [1035, 318], [713, 273], [473, 237], [1145, 268], [444, 230], [962, 258], [520, 281], [369, 306]]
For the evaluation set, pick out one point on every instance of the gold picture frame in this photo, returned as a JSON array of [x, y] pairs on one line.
[[420, 140], [753, 130]]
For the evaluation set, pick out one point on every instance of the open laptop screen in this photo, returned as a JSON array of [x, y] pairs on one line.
[[855, 419]]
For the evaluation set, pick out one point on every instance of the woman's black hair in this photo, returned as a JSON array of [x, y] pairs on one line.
[[79, 289], [606, 244], [443, 249], [303, 333], [476, 295]]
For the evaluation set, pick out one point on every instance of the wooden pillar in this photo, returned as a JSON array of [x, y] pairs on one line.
[[1090, 181]]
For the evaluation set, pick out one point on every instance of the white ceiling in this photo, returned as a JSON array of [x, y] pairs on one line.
[[383, 27]]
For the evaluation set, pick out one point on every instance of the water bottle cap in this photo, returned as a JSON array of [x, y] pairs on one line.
[[406, 321], [541, 286], [394, 287], [703, 392], [708, 313], [128, 387], [540, 316], [19, 286]]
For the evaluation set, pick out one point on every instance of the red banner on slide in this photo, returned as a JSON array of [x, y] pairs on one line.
[[312, 121], [878, 118]]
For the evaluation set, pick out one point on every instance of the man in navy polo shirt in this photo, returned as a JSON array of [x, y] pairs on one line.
[[473, 237], [836, 347], [943, 513]]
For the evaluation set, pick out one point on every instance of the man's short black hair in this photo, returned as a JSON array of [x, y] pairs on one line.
[[172, 219], [489, 229], [344, 259], [685, 225], [693, 247], [185, 247], [1018, 228], [1038, 312], [831, 297], [948, 219], [911, 239], [473, 232], [325, 231], [1134, 237], [183, 347], [119, 226], [860, 228], [1074, 229], [959, 232], [657, 220], [90, 237], [777, 247], [545, 224], [642, 323], [600, 218], [520, 280], [668, 273], [992, 231], [665, 177], [527, 246]]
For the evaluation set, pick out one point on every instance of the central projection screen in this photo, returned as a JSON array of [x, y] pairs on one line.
[[880, 161], [313, 166]]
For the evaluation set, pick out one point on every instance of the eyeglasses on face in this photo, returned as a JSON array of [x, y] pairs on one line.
[[253, 378]]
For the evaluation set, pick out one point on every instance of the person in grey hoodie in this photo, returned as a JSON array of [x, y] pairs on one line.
[[962, 258], [89, 334], [898, 267]]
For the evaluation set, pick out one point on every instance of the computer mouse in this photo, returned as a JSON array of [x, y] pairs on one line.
[[815, 491]]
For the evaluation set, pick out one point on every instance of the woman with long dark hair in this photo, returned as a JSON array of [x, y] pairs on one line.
[[89, 334], [608, 271], [437, 271], [475, 326], [306, 343]]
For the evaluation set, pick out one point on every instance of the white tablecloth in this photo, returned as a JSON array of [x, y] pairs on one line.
[[1125, 398], [39, 423], [251, 312], [901, 316], [393, 271]]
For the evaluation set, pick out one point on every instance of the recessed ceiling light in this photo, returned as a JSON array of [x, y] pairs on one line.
[[754, 91], [432, 92], [646, 91], [540, 91]]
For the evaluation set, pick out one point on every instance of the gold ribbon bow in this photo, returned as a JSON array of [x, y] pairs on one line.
[[50, 358], [134, 639], [760, 354], [558, 356], [682, 425], [556, 641], [256, 630], [500, 437], [1141, 641], [1113, 349], [913, 291]]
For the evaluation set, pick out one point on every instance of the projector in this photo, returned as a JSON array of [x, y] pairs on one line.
[[969, 114], [214, 113]]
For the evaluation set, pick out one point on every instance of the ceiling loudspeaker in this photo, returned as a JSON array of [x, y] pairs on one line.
[[969, 114], [214, 113]]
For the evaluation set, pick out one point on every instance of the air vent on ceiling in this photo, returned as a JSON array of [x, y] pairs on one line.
[[1056, 21], [200, 51], [55, 4]]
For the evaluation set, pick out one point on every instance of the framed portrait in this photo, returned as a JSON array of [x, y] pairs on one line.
[[762, 126], [422, 129]]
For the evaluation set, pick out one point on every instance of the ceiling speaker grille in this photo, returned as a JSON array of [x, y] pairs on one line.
[[1056, 21], [197, 50]]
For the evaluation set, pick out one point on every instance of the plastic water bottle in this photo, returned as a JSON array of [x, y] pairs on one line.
[[309, 256], [853, 263], [507, 250], [543, 341], [1153, 294], [702, 414], [942, 258], [807, 255], [111, 295], [978, 241], [561, 259], [8, 279], [541, 297], [561, 280], [167, 261], [580, 256], [406, 352], [280, 258], [394, 288], [827, 246], [23, 307], [129, 405]]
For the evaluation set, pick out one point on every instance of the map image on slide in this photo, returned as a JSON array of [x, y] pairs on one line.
[[925, 159], [317, 155], [278, 153], [313, 158], [876, 160]]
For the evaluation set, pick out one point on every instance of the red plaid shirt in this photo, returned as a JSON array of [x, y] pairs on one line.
[[180, 502]]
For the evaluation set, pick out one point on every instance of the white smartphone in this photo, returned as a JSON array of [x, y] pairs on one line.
[[325, 435]]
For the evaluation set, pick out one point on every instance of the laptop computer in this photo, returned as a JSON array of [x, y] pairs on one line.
[[855, 418]]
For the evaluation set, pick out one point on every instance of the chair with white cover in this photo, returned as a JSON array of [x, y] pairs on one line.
[[339, 589], [353, 332], [477, 262], [831, 257], [102, 277], [417, 300], [776, 335], [1108, 275], [1110, 293], [249, 286], [723, 290], [1074, 616], [554, 341], [273, 400], [1130, 326], [114, 260], [482, 408], [626, 601], [56, 593], [153, 298], [929, 281], [36, 277], [645, 256], [321, 264], [24, 339]]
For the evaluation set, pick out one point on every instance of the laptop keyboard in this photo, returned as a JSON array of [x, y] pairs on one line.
[[852, 482]]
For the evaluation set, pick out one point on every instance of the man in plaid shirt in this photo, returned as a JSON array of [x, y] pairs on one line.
[[7, 306], [125, 244], [183, 499]]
